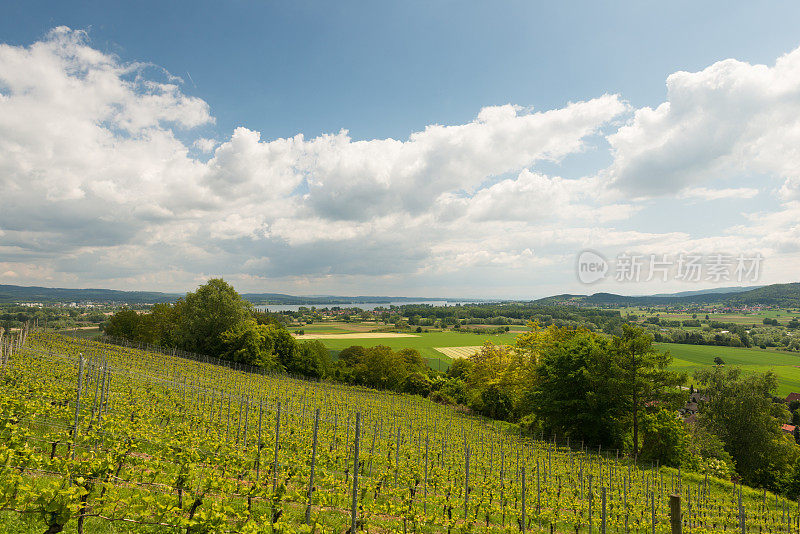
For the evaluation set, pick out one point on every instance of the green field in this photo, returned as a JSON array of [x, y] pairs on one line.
[[786, 365], [425, 343]]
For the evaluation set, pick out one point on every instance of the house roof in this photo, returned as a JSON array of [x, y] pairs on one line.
[[788, 428], [792, 397]]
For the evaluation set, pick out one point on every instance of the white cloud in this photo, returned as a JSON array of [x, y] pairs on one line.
[[715, 194], [103, 182], [730, 118]]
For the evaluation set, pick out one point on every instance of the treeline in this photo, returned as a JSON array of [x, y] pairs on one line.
[[729, 335], [609, 321], [216, 321]]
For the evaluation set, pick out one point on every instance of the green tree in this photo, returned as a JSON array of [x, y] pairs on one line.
[[210, 311], [249, 343], [311, 359], [666, 438], [381, 368], [740, 410], [352, 355], [124, 324], [573, 392], [641, 377]]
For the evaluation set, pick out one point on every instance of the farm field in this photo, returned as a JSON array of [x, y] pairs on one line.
[[357, 335], [786, 365], [458, 352], [164, 444], [756, 318], [426, 344], [337, 328]]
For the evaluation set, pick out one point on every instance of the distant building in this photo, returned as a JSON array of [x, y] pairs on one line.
[[792, 397], [789, 429]]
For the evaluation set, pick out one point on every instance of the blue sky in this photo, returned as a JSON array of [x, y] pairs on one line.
[[210, 188]]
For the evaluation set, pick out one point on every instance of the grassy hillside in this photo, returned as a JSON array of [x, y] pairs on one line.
[[786, 365], [169, 445]]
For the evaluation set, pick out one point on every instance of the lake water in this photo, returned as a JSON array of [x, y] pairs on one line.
[[363, 306]]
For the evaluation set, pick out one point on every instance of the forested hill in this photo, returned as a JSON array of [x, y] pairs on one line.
[[786, 295], [12, 293], [9, 293]]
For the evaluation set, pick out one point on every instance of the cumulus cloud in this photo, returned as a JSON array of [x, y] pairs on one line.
[[730, 118], [107, 181]]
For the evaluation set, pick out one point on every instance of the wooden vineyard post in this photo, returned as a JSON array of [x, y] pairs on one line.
[[313, 463], [354, 507], [466, 483], [259, 445], [538, 496], [425, 483], [603, 516], [77, 406], [653, 511], [591, 503], [523, 520], [675, 521], [277, 438]]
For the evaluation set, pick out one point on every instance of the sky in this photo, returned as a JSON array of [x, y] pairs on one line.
[[440, 149]]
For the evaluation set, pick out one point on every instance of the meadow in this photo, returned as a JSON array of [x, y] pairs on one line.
[[102, 438], [690, 358]]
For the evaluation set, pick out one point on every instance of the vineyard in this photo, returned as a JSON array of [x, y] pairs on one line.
[[106, 438]]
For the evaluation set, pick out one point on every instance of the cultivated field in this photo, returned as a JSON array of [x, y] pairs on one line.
[[459, 352], [426, 344], [356, 335]]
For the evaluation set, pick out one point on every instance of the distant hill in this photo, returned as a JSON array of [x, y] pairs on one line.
[[10, 293], [785, 295], [735, 289], [327, 300]]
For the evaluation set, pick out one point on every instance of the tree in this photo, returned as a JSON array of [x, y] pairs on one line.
[[352, 355], [210, 311], [573, 392], [417, 383], [640, 374], [249, 343], [122, 324], [412, 359], [311, 359], [666, 438], [381, 368], [718, 361], [740, 410]]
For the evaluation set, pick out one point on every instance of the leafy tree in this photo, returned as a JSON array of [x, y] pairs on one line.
[[666, 438], [494, 402], [417, 383], [124, 324], [381, 368], [740, 410], [460, 368], [573, 392], [207, 313], [249, 343], [311, 359], [283, 345], [412, 359], [352, 355]]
